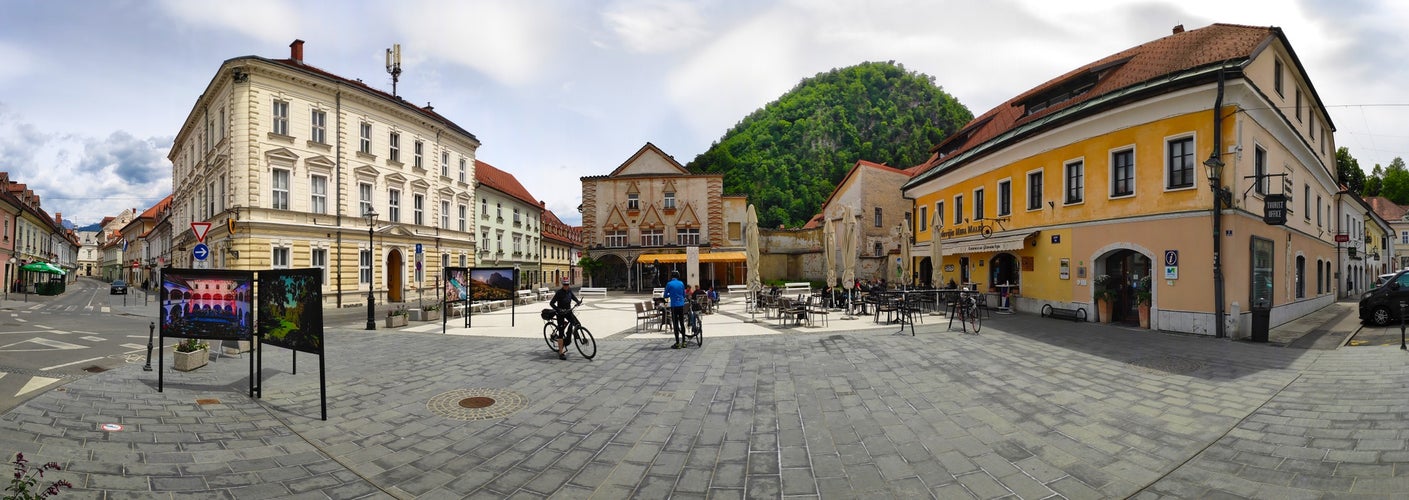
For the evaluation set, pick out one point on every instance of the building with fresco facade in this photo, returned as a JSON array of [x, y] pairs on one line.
[[285, 159], [1106, 171]]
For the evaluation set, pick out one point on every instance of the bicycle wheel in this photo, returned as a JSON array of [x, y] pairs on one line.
[[585, 343], [971, 318], [550, 329]]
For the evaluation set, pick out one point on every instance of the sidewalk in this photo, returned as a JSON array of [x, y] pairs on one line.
[[1326, 328], [1032, 408]]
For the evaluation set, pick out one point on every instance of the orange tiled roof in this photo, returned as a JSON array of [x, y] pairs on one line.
[[1159, 58], [1387, 209], [503, 182]]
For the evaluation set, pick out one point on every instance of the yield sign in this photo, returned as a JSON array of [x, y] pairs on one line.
[[200, 228]]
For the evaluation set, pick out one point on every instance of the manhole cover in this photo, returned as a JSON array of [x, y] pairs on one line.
[[476, 404], [1166, 364]]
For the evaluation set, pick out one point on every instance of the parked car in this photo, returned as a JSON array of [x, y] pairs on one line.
[[1382, 279], [119, 287], [1381, 305]]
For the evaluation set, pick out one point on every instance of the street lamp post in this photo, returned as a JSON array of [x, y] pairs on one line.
[[371, 216], [1221, 197]]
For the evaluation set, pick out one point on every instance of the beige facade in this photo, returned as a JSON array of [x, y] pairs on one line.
[[562, 247], [284, 159], [652, 205], [871, 189]]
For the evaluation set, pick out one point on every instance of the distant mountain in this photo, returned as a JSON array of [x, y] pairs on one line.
[[94, 227], [789, 155]]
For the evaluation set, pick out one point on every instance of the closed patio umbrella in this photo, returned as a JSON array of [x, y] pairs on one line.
[[850, 236], [751, 254], [829, 236], [936, 253], [904, 254]]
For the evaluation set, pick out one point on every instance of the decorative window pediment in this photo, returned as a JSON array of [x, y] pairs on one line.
[[281, 156], [615, 221], [652, 219], [632, 188], [320, 164], [366, 172], [687, 218], [395, 178], [420, 185]]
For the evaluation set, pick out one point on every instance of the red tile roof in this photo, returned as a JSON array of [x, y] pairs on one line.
[[503, 182], [1148, 62], [1389, 210]]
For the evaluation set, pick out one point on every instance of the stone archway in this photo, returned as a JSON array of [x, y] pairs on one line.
[[395, 273], [1127, 267]]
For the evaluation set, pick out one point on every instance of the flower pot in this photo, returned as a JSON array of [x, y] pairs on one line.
[[395, 321], [424, 315], [1144, 315], [1103, 310], [187, 361]]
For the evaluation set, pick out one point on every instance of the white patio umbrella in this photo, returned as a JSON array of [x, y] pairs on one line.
[[829, 244], [751, 255], [936, 253], [849, 238], [904, 254]]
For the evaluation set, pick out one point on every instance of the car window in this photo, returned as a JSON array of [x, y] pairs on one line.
[[1403, 280]]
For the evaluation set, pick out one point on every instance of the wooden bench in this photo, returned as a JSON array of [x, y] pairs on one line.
[[596, 291], [1077, 314]]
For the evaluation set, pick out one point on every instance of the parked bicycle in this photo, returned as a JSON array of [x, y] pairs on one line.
[[576, 334], [966, 311]]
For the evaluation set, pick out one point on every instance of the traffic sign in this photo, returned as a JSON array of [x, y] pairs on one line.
[[200, 228], [200, 252], [418, 248], [1342, 238]]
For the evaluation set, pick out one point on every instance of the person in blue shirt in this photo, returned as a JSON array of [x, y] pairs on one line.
[[675, 292]]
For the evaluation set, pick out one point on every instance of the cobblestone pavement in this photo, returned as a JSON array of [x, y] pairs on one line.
[[1032, 408]]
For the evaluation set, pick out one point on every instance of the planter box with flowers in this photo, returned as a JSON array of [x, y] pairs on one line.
[[190, 354], [427, 313], [396, 317]]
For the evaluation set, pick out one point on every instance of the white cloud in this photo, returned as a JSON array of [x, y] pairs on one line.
[[264, 20], [656, 26], [513, 43], [18, 62]]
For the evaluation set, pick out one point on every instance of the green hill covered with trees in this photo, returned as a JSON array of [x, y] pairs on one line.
[[789, 155]]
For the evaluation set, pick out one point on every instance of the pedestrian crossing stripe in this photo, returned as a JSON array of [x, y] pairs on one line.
[[33, 384]]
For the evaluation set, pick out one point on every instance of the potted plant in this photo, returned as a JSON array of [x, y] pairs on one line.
[[190, 354], [426, 313], [396, 317], [1104, 297], [1143, 296]]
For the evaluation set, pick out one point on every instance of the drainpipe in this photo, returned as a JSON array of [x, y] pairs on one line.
[[337, 137], [1218, 326]]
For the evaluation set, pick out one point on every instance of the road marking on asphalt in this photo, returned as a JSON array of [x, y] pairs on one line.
[[93, 339], [67, 364], [34, 384], [133, 346], [50, 344]]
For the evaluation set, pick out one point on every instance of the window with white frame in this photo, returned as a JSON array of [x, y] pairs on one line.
[[280, 258], [499, 211], [517, 220], [688, 236], [444, 260], [318, 186], [879, 250], [1259, 169], [1277, 76], [462, 169], [280, 198], [364, 192], [878, 220], [616, 239], [1179, 163], [633, 201], [924, 217], [670, 200], [1005, 198], [320, 126], [418, 209], [1075, 182], [464, 210], [281, 117], [393, 205], [958, 209], [319, 259], [445, 164], [365, 145], [1123, 173], [483, 208], [364, 267], [652, 237], [462, 260], [1404, 237], [418, 154], [518, 245], [978, 204], [939, 213], [1034, 190], [1318, 210], [445, 214], [394, 146]]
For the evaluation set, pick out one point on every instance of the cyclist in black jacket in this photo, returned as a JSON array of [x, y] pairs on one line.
[[562, 302]]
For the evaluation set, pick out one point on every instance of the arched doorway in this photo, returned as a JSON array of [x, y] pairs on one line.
[[1003, 268], [395, 274], [927, 276], [612, 274], [1126, 268]]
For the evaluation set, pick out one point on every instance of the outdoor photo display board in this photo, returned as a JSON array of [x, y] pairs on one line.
[[206, 304], [291, 316], [291, 309], [457, 291], [494, 284]]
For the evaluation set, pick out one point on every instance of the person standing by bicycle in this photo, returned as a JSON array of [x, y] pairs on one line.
[[562, 302], [675, 292]]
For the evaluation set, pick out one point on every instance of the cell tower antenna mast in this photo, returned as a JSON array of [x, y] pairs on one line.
[[393, 65]]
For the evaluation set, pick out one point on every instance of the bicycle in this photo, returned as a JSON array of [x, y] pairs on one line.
[[694, 326], [577, 334], [966, 310]]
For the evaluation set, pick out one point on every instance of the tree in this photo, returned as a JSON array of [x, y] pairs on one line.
[[1396, 182], [1348, 171], [589, 266]]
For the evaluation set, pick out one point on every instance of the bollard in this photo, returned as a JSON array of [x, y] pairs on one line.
[[1402, 306], [151, 329]]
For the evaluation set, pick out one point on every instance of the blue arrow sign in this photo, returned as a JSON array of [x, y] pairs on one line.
[[200, 252]]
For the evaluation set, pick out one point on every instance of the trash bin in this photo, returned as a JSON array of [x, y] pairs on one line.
[[1261, 316]]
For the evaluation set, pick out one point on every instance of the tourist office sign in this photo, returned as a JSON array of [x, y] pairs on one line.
[[1274, 209]]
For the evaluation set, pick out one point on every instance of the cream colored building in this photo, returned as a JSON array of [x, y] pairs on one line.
[[562, 247], [641, 219], [284, 159]]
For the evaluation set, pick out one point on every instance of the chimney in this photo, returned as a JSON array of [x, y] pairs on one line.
[[296, 51], [59, 218], [1178, 28]]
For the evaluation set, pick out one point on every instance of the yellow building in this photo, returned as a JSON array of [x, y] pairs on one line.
[[285, 160], [1103, 176]]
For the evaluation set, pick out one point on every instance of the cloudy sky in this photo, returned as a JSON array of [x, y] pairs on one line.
[[92, 92]]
